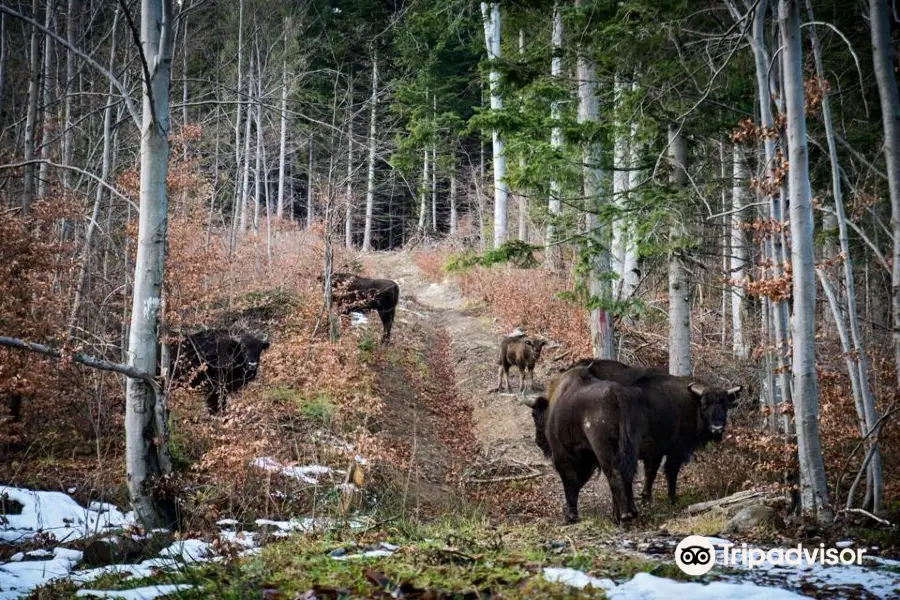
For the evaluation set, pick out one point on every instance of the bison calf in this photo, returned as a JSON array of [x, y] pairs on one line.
[[217, 363], [589, 424], [353, 293], [522, 352]]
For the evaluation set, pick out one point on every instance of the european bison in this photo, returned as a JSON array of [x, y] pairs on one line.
[[354, 293], [520, 351], [217, 363], [589, 424], [685, 415]]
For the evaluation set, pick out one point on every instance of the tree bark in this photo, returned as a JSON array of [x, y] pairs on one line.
[[523, 194], [491, 16], [44, 169], [348, 214], [69, 132], [282, 147], [883, 59], [370, 179], [738, 262], [310, 186], [803, 326], [423, 193], [554, 208], [31, 116], [238, 189], [620, 181], [146, 418], [454, 218], [3, 55], [258, 170], [679, 278]]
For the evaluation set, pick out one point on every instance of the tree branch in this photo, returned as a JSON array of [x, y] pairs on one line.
[[88, 174], [136, 35], [65, 43], [89, 361]]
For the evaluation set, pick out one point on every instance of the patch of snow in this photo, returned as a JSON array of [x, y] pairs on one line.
[[645, 586], [71, 490], [141, 593], [245, 539], [307, 473], [189, 551], [17, 557], [17, 579], [381, 550], [888, 562], [361, 460], [307, 524], [58, 514], [715, 541], [576, 578], [40, 553], [226, 522], [357, 318], [844, 544]]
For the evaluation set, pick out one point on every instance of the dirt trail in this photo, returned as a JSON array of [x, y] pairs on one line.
[[503, 427]]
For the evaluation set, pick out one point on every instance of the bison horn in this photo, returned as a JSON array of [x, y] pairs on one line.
[[697, 388], [735, 390]]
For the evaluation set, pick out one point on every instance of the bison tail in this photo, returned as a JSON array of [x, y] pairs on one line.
[[630, 430]]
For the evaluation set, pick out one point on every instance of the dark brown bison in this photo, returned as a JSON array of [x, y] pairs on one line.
[[684, 415], [359, 294], [14, 403], [588, 424], [520, 351], [217, 363]]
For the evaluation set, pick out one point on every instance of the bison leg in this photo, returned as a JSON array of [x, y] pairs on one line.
[[531, 378], [573, 479], [523, 373], [673, 466], [651, 466], [505, 369], [387, 321]]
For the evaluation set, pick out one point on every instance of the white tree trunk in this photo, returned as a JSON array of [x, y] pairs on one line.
[[146, 434], [282, 147], [883, 58], [238, 188], [523, 194], [434, 170], [738, 263], [69, 131], [31, 116], [423, 193], [310, 186], [860, 361], [620, 181], [3, 55], [679, 278], [348, 214], [491, 16], [803, 324], [554, 208], [630, 262], [245, 177], [370, 179], [44, 170], [454, 218], [600, 287], [258, 170]]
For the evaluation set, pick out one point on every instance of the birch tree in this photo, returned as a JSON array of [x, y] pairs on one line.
[[814, 491], [44, 168], [282, 117], [31, 116], [69, 131], [738, 258], [620, 181], [490, 13]]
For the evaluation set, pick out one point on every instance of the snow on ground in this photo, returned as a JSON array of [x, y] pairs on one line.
[[142, 593], [576, 578], [307, 474], [58, 514], [19, 578], [381, 550], [358, 318]]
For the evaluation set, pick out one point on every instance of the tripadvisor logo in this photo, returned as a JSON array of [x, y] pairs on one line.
[[696, 555]]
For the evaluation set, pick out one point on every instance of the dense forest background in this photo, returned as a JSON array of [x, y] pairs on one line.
[[712, 186]]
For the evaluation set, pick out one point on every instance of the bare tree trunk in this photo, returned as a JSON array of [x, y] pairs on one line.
[[522, 194], [258, 171], [883, 59], [738, 252], [620, 181], [237, 206], [554, 209], [31, 116], [4, 52], [69, 131], [98, 198], [348, 215], [601, 323], [282, 148], [44, 169], [245, 177], [806, 395], [630, 260], [860, 362], [679, 278], [423, 193], [454, 218], [310, 186], [370, 179], [491, 16], [146, 418]]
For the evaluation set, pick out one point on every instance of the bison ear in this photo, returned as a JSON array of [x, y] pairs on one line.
[[696, 388], [266, 344]]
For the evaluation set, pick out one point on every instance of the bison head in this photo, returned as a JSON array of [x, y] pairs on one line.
[[539, 407], [537, 344], [253, 349], [714, 405]]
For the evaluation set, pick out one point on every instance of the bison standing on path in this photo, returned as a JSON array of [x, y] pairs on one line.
[[217, 363], [589, 424], [360, 294], [684, 415], [522, 352]]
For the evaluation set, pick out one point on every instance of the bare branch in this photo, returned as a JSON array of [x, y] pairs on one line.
[[136, 35], [88, 174]]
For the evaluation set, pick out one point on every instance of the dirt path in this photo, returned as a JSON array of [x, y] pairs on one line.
[[503, 427]]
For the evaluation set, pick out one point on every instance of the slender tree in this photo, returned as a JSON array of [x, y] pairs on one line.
[[554, 209], [491, 16], [370, 179], [679, 278]]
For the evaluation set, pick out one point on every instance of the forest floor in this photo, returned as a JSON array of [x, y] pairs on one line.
[[481, 511]]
